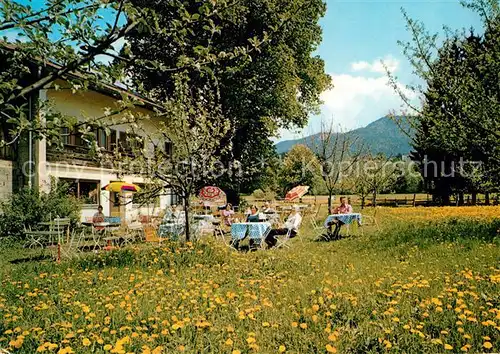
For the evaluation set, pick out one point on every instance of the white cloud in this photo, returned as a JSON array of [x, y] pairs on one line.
[[377, 66], [354, 102], [12, 35], [117, 47]]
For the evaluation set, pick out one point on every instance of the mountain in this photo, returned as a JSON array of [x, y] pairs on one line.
[[382, 136]]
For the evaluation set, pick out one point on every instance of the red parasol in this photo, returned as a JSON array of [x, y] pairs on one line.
[[212, 194], [297, 192]]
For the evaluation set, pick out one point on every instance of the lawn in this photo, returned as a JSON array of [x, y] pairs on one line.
[[428, 281]]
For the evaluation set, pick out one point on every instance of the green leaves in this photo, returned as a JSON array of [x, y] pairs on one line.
[[459, 119]]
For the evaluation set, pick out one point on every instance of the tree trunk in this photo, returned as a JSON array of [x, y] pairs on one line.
[[233, 196], [474, 198], [363, 202], [487, 198], [461, 198], [330, 201], [374, 198], [186, 212]]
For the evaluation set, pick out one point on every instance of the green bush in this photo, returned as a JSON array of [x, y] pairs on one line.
[[29, 207], [266, 194]]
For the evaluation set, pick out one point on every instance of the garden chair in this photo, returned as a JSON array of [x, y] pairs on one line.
[[218, 232], [61, 226], [370, 220], [151, 235], [72, 248], [283, 241], [318, 229], [136, 231]]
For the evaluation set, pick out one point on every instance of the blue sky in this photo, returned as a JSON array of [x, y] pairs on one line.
[[356, 36]]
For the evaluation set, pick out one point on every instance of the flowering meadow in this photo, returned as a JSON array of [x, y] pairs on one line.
[[427, 281]]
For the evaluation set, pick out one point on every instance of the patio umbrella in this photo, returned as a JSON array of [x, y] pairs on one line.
[[212, 194], [121, 187], [297, 192]]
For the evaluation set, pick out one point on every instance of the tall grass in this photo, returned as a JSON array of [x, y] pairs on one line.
[[417, 288]]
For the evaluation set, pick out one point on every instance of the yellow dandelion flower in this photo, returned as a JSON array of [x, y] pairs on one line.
[[487, 345], [229, 342], [448, 347], [303, 325], [86, 342], [235, 352], [281, 349], [331, 349]]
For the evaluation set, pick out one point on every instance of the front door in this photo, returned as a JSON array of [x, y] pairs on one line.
[[114, 200]]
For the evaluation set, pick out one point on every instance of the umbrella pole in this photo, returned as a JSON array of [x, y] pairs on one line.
[[122, 208]]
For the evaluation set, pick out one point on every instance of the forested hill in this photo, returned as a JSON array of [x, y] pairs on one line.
[[381, 136]]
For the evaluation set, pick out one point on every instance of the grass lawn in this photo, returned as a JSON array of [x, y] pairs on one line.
[[428, 281]]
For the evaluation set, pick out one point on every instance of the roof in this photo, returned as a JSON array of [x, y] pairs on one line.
[[112, 90]]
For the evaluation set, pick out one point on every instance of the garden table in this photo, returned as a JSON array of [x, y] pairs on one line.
[[172, 229], [345, 218], [256, 231]]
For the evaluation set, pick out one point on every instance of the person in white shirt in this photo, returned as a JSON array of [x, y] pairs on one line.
[[267, 208], [292, 223]]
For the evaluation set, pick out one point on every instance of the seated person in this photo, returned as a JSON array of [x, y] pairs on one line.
[[292, 223], [343, 208], [267, 208], [227, 214], [206, 207], [98, 218], [254, 214]]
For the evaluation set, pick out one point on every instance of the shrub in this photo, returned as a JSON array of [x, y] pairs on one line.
[[29, 207], [266, 194], [258, 194]]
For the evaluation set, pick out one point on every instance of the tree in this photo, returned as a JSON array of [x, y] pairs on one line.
[[458, 130], [300, 168], [182, 152], [371, 175], [55, 40], [278, 87], [189, 117], [337, 152], [409, 179]]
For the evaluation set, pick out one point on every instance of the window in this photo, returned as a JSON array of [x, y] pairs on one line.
[[86, 191], [123, 143], [65, 136], [113, 140], [6, 151], [77, 140], [128, 142], [169, 148], [102, 139]]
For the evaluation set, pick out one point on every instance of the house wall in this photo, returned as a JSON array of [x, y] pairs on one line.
[[85, 105], [5, 179], [92, 104]]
